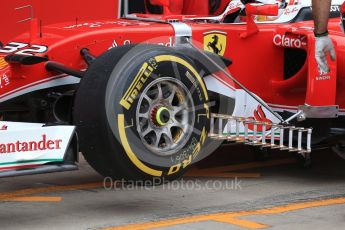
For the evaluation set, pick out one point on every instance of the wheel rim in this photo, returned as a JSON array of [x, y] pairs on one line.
[[165, 116]]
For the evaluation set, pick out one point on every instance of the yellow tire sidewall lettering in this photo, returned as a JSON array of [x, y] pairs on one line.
[[140, 165], [179, 60], [136, 86]]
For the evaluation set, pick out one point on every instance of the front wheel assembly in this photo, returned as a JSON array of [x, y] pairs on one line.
[[141, 113]]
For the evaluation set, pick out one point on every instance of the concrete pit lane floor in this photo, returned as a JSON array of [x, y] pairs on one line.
[[229, 190]]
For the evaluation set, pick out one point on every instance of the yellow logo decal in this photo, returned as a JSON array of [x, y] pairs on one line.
[[215, 42], [3, 63], [134, 89]]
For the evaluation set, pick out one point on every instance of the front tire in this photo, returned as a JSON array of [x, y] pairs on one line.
[[141, 113]]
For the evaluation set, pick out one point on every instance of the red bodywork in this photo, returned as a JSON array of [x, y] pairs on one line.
[[50, 12], [258, 60]]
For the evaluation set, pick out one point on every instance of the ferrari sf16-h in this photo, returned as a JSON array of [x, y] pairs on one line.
[[148, 94]]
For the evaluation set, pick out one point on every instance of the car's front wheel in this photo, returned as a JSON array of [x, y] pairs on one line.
[[142, 113]]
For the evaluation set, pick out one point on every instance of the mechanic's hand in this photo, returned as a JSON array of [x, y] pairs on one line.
[[324, 45]]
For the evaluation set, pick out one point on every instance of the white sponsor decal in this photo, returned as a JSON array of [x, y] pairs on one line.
[[32, 144], [169, 43], [323, 78], [18, 48], [4, 81], [335, 9], [285, 41], [100, 24]]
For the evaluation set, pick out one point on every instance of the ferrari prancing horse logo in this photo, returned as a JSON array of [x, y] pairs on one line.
[[215, 42]]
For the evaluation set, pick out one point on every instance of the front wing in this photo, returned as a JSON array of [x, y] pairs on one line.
[[24, 147]]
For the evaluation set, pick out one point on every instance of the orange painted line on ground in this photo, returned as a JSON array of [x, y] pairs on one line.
[[250, 165], [232, 217], [58, 188], [240, 222], [222, 175], [161, 224], [292, 207], [36, 199]]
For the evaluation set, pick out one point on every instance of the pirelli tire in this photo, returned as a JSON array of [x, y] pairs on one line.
[[117, 98]]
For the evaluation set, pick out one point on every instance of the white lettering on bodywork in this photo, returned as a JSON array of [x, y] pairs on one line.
[[4, 81]]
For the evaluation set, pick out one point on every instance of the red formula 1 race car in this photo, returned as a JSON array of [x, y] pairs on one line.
[[151, 93]]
